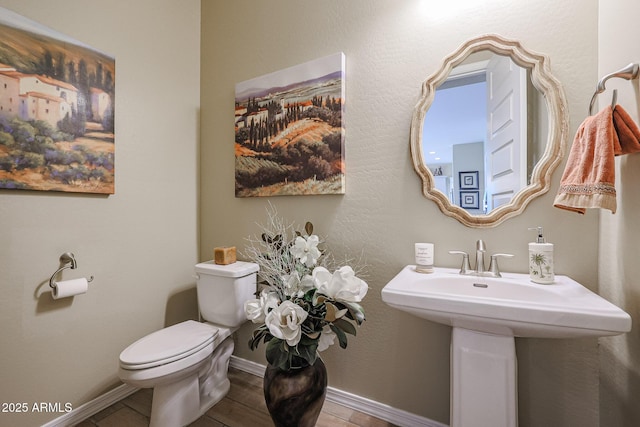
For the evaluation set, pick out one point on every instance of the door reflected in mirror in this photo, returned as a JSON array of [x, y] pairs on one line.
[[488, 131], [487, 119]]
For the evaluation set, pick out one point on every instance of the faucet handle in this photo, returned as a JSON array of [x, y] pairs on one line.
[[493, 265], [465, 267]]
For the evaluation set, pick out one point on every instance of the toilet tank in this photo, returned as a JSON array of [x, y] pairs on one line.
[[223, 289]]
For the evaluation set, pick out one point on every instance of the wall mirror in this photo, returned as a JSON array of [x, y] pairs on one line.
[[489, 130]]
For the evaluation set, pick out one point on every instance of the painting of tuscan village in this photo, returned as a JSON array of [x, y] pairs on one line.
[[289, 134], [56, 111]]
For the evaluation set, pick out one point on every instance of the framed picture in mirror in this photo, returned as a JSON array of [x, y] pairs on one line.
[[468, 180], [470, 199]]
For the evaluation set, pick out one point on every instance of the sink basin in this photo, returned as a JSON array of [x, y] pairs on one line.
[[486, 314], [511, 305]]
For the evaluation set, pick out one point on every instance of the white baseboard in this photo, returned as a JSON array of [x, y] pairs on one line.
[[362, 404], [92, 407], [349, 400]]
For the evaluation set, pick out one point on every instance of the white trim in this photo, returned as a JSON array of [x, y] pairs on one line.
[[362, 404], [247, 366], [92, 407]]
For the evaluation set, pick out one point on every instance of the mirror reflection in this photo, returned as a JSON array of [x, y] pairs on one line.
[[488, 131], [484, 132]]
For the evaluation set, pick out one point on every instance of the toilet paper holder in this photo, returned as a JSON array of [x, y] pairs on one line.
[[68, 260]]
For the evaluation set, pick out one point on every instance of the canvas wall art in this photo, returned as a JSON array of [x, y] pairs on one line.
[[56, 111], [289, 131]]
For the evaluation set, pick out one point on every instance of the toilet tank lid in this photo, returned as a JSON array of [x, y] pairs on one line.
[[237, 269]]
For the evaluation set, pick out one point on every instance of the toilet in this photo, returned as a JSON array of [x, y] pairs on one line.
[[186, 364]]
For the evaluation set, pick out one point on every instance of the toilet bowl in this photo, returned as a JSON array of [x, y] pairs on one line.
[[186, 364]]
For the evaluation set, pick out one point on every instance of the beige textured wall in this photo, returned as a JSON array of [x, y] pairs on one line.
[[620, 233], [390, 47], [140, 244]]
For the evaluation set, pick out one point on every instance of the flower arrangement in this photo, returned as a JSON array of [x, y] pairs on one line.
[[304, 303]]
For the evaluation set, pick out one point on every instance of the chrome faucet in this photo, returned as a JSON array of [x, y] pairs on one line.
[[480, 270], [480, 250]]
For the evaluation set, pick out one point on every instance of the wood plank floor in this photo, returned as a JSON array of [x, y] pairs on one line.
[[242, 407]]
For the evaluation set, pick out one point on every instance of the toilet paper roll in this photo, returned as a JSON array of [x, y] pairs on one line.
[[69, 288]]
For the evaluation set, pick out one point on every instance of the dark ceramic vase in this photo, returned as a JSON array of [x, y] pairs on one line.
[[295, 398]]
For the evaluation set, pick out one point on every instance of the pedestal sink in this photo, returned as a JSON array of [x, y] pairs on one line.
[[486, 314]]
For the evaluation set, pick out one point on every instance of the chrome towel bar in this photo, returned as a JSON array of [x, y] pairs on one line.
[[629, 72]]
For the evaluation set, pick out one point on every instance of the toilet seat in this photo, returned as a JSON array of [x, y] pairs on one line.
[[168, 345]]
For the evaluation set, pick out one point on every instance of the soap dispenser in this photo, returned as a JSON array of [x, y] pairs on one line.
[[540, 259]]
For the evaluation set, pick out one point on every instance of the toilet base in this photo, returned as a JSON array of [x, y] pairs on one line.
[[182, 402]]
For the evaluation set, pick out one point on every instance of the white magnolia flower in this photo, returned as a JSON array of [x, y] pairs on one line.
[[307, 283], [269, 301], [306, 250], [284, 322], [327, 338], [342, 285], [253, 310], [257, 309], [291, 283]]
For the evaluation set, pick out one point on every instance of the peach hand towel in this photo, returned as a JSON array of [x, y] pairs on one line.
[[589, 176], [627, 131]]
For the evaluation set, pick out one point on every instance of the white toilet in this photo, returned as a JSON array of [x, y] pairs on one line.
[[186, 364]]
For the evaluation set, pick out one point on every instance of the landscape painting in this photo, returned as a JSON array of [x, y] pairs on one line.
[[56, 111], [289, 132]]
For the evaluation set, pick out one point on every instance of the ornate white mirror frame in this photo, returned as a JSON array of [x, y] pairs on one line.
[[556, 104]]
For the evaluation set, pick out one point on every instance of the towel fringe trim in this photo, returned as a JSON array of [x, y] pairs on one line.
[[587, 189]]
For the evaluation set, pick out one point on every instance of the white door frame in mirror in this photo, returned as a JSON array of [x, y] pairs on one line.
[[556, 104]]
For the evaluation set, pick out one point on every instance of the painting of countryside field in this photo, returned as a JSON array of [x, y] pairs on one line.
[[56, 111], [289, 133]]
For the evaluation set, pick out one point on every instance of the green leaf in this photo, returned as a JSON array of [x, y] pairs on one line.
[[277, 353], [316, 298], [308, 352], [311, 296], [356, 312], [342, 338], [284, 357], [306, 341], [257, 336], [333, 313], [345, 326]]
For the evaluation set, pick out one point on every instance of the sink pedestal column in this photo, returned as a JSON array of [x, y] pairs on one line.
[[483, 380]]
